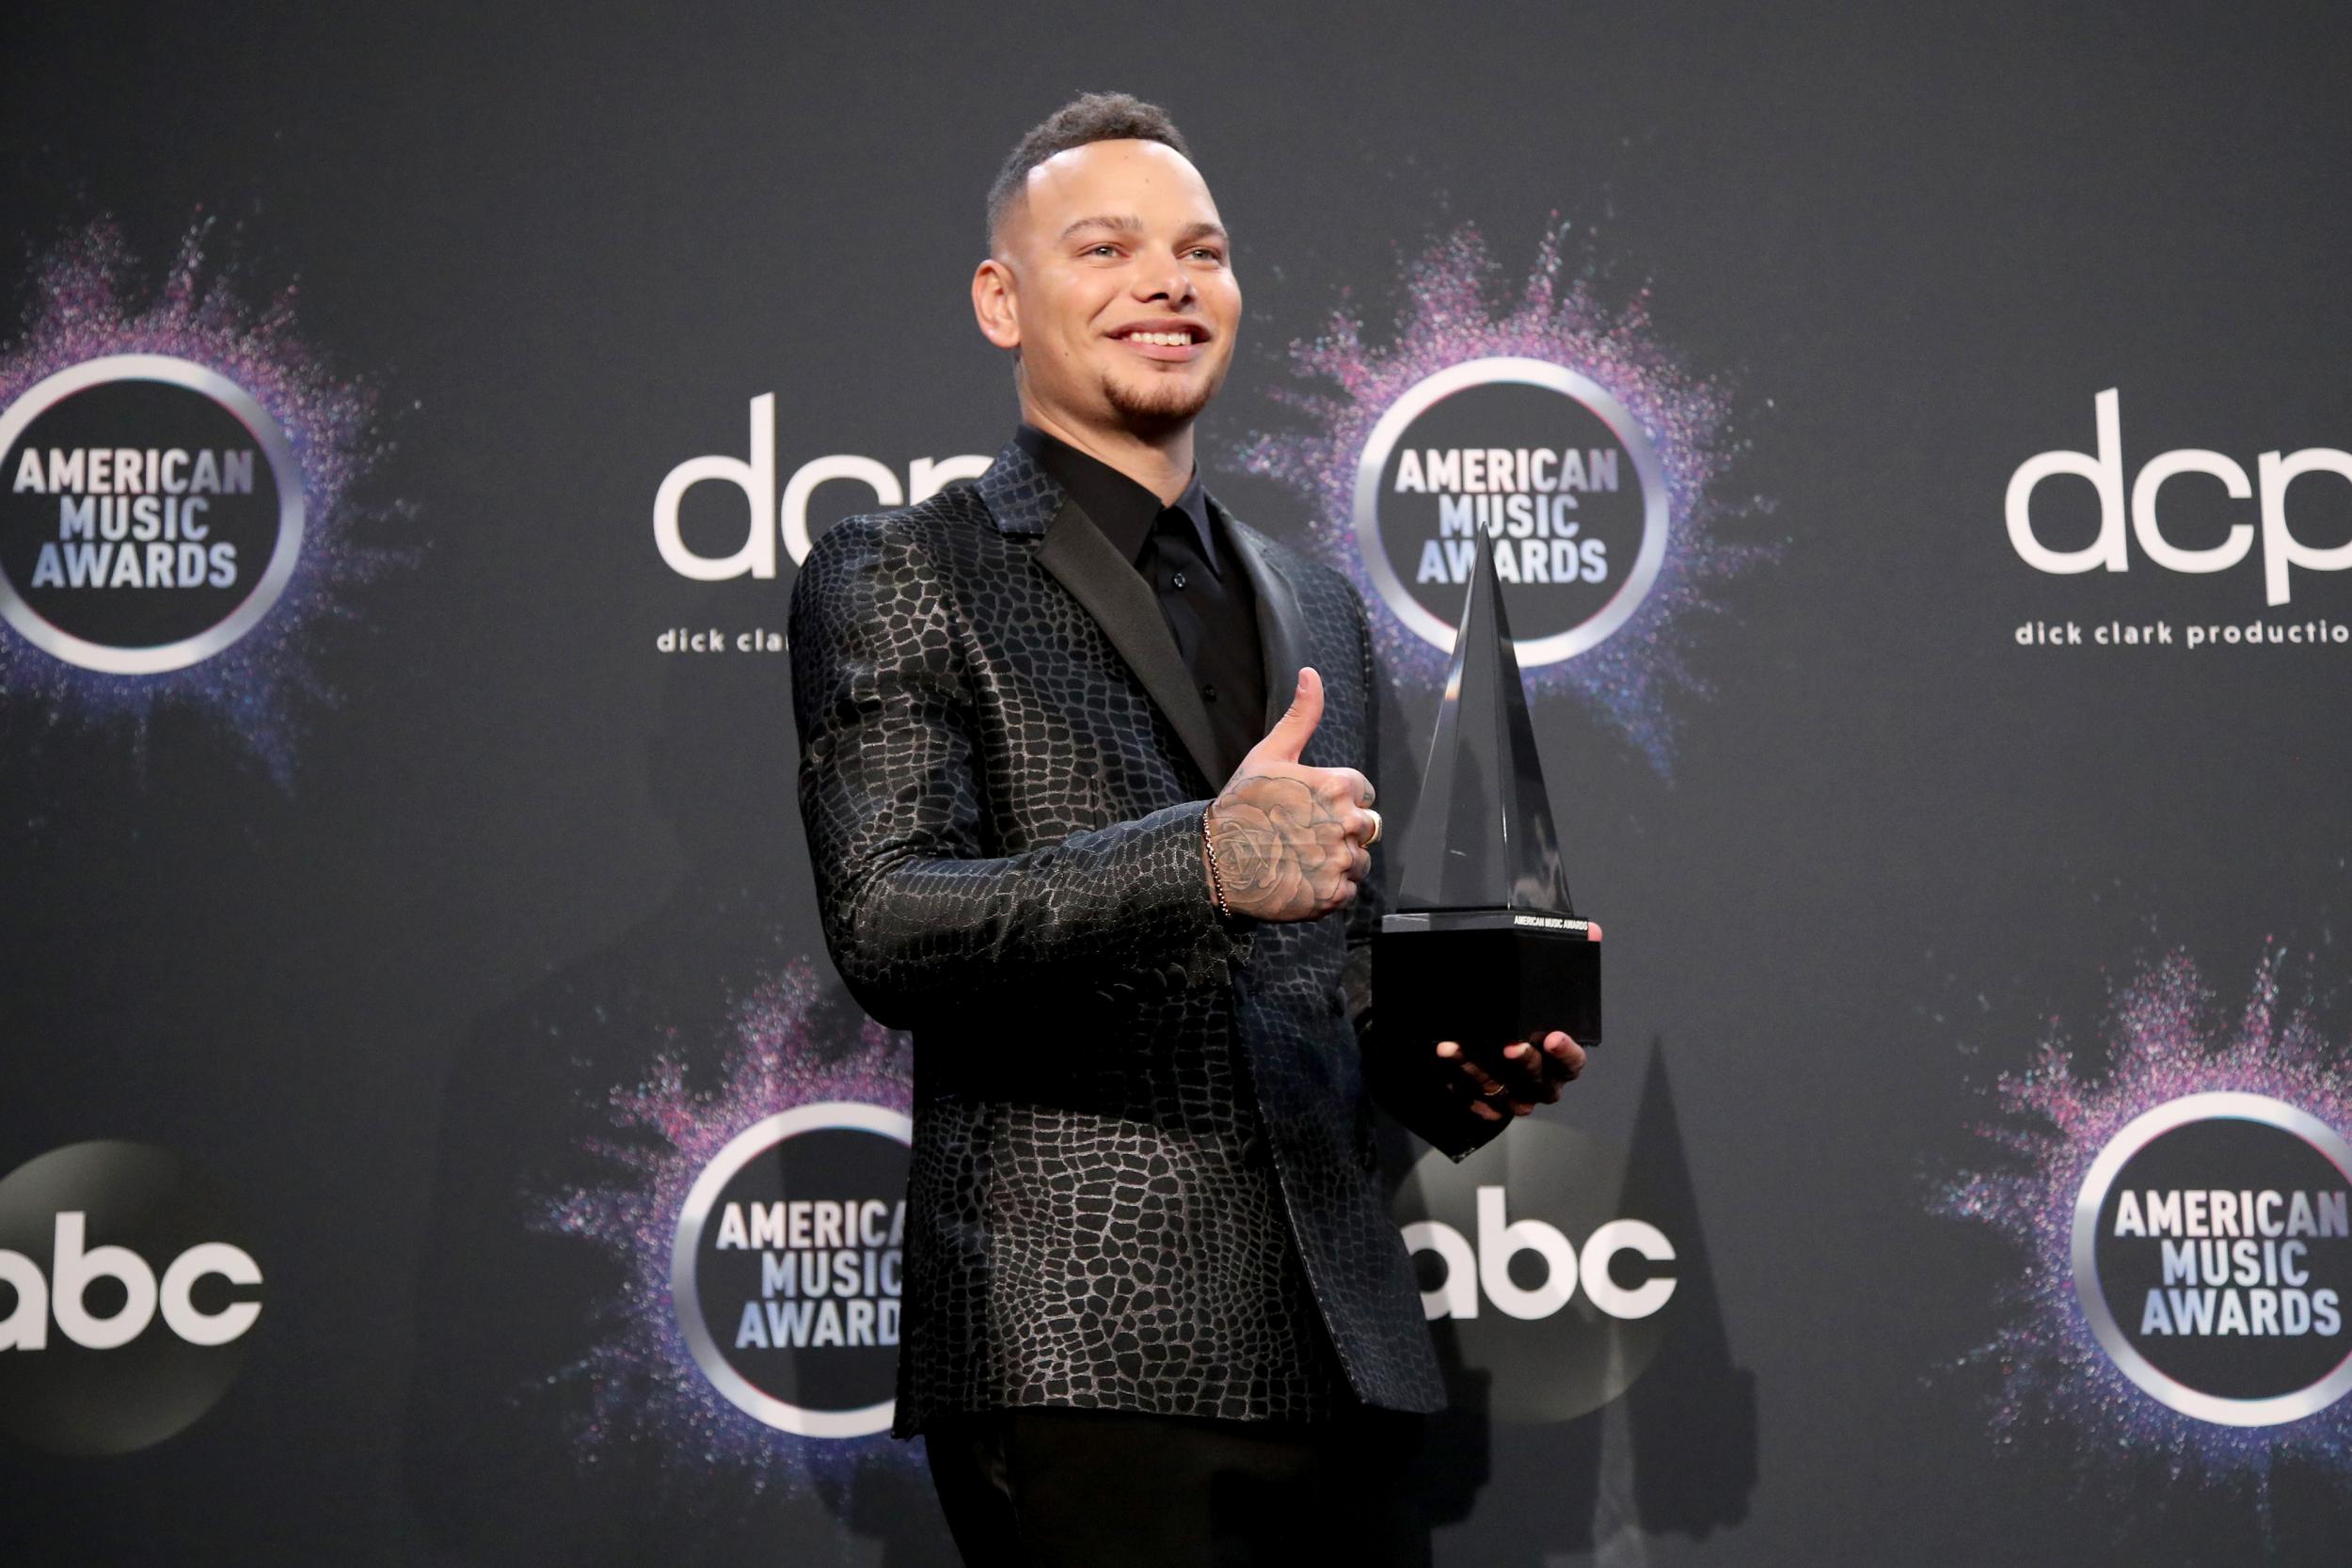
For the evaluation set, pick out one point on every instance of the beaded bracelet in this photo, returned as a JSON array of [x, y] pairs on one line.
[[1216, 883]]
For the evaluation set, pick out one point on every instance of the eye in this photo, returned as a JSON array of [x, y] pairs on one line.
[[1099, 247]]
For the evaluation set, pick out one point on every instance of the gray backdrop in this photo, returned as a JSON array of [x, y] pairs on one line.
[[375, 960]]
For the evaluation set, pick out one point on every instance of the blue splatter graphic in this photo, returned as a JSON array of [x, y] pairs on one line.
[[644, 1387], [2167, 1040], [83, 306], [1630, 676]]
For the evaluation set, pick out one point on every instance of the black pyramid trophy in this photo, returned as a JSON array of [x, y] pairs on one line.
[[1485, 947]]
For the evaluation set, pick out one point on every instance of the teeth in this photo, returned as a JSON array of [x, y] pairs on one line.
[[1164, 339]]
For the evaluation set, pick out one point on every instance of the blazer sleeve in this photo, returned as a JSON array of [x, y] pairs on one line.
[[919, 920], [1429, 1097]]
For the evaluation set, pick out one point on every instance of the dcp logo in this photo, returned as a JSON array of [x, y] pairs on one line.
[[1527, 1264], [126, 1304], [1543, 460], [2281, 549], [785, 516]]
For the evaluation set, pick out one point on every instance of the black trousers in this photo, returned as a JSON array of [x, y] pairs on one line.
[[1046, 1487]]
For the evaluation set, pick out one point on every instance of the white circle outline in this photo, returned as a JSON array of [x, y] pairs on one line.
[[1514, 369], [50, 392], [2137, 1134], [837, 1115]]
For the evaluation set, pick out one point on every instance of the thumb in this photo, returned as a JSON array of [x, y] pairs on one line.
[[1289, 736]]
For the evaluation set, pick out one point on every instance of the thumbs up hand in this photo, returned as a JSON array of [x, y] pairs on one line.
[[1291, 841]]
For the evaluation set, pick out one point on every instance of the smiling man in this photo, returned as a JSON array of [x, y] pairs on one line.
[[1155, 1309]]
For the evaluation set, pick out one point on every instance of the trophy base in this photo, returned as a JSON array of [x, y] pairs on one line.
[[1487, 978]]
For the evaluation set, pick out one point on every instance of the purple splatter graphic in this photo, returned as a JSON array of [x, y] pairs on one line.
[[644, 1386], [2167, 1039], [85, 307], [1629, 676]]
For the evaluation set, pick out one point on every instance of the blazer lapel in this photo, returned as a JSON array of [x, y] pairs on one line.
[[1026, 500], [1281, 625]]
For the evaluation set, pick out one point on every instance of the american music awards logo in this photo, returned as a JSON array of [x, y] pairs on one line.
[[2180, 1201], [758, 1222], [1558, 426], [176, 521]]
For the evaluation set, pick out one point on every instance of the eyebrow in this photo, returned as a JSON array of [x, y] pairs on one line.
[[1128, 224], [1118, 225]]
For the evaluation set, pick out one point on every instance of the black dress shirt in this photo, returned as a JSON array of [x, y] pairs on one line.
[[1205, 594]]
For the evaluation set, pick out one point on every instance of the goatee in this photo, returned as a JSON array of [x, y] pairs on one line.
[[1165, 403]]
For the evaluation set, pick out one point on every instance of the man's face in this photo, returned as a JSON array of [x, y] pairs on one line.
[[1122, 300]]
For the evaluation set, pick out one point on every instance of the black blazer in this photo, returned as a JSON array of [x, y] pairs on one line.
[[1143, 1174]]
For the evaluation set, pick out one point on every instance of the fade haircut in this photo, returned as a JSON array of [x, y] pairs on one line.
[[1090, 117]]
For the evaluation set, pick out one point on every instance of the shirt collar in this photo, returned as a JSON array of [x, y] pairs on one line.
[[1125, 511]]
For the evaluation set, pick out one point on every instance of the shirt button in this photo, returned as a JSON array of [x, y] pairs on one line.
[[1180, 580], [1208, 693]]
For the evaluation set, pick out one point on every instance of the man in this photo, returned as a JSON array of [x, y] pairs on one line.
[[1155, 1305]]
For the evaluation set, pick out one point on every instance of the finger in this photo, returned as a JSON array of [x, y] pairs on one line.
[[1489, 1088], [1563, 1049], [1360, 866], [1346, 785], [1289, 736], [1450, 1052], [1361, 827], [1485, 1112], [1528, 1060]]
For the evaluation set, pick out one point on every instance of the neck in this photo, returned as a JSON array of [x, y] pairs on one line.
[[1161, 462]]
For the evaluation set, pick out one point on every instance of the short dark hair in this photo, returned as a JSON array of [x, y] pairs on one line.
[[1090, 117]]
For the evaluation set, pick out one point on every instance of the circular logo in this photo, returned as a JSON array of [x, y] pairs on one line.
[[786, 1268], [1528, 1263], [125, 1298], [1547, 465], [150, 515], [2211, 1258]]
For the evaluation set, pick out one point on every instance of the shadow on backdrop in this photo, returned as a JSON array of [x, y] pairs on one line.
[[509, 1460], [1675, 1454]]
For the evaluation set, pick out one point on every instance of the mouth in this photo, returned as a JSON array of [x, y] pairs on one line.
[[1167, 342]]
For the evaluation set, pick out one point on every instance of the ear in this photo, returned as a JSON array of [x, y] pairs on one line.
[[995, 295]]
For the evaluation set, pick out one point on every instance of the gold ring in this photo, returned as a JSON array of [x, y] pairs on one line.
[[1375, 827]]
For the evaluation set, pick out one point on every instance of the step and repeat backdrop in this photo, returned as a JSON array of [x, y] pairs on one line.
[[1920, 446]]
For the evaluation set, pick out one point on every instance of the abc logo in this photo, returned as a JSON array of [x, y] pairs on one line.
[[124, 1308], [1551, 1327], [79, 1266], [1487, 1268]]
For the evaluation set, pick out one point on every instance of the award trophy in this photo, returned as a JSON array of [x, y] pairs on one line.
[[1485, 948]]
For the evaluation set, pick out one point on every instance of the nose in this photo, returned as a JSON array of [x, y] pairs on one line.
[[1160, 276]]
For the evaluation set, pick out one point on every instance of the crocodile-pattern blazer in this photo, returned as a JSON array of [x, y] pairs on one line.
[[1143, 1174]]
